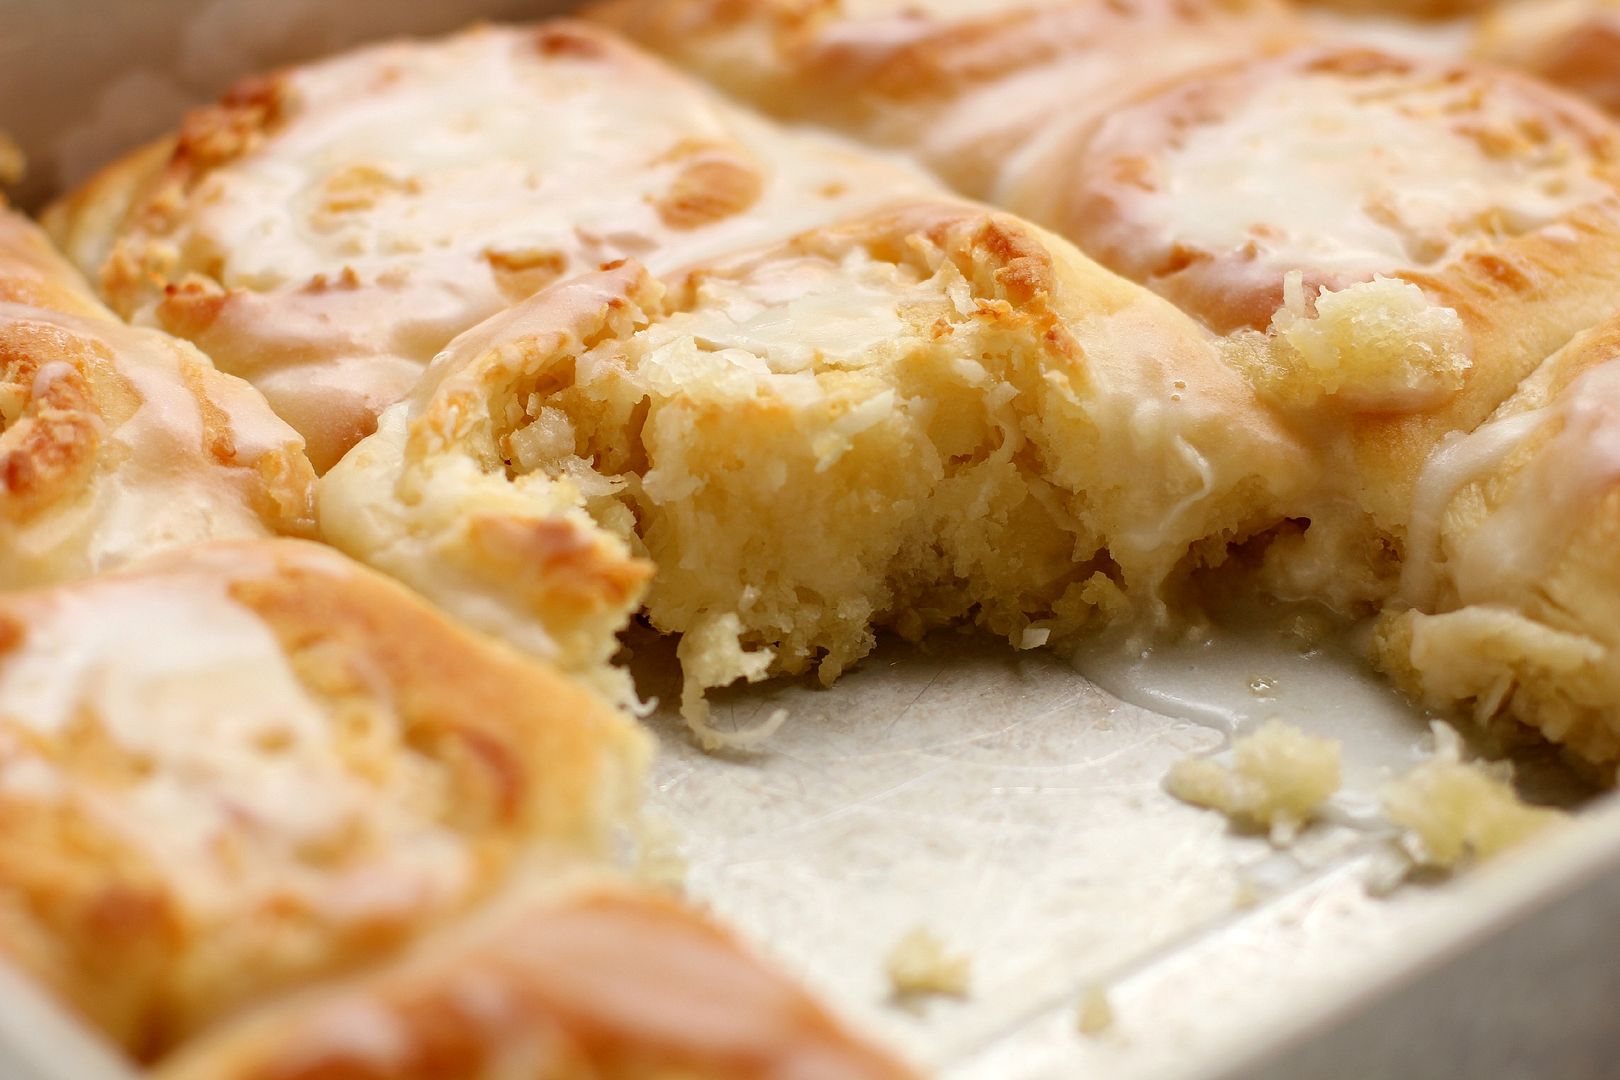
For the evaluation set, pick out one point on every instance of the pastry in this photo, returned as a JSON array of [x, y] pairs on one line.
[[974, 91], [931, 414], [1338, 164], [1512, 591], [1396, 285], [1405, 9], [323, 232], [589, 981], [1470, 227], [248, 766], [118, 442], [1573, 43]]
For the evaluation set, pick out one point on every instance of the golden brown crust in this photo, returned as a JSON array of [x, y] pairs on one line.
[[85, 222], [32, 273], [1571, 43], [117, 442], [48, 446], [249, 766], [1407, 9], [596, 984], [310, 235], [969, 94], [1230, 271]]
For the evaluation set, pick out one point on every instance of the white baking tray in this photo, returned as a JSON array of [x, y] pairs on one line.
[[999, 799]]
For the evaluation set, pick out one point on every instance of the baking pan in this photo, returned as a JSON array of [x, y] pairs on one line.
[[1001, 800]]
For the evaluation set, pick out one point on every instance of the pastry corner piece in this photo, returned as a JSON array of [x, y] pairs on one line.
[[1510, 604], [116, 442], [247, 767], [927, 415], [591, 980]]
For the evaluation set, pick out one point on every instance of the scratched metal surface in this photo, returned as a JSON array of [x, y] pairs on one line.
[[1016, 810]]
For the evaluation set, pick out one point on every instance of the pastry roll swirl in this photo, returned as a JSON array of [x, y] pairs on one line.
[[247, 766], [1339, 165], [324, 231], [116, 442]]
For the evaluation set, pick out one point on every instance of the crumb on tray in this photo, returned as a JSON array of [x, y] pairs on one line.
[[1096, 1013], [660, 861], [1278, 779], [1456, 812], [919, 964]]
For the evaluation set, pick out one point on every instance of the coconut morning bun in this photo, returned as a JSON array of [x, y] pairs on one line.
[[932, 414]]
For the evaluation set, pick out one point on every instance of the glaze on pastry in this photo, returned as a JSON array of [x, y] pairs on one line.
[[974, 91], [249, 766], [118, 442], [324, 231], [1511, 593]]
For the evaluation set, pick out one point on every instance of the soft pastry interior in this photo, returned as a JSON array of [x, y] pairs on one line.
[[117, 442], [924, 416], [247, 766], [325, 230]]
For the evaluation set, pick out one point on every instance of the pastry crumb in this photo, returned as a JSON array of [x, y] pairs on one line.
[[1279, 777], [659, 860], [920, 965], [1096, 1013], [1456, 812], [1377, 344]]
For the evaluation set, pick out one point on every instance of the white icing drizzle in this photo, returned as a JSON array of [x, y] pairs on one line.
[[479, 144], [159, 486], [1522, 535], [179, 676], [1519, 540], [1458, 461], [1356, 176]]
